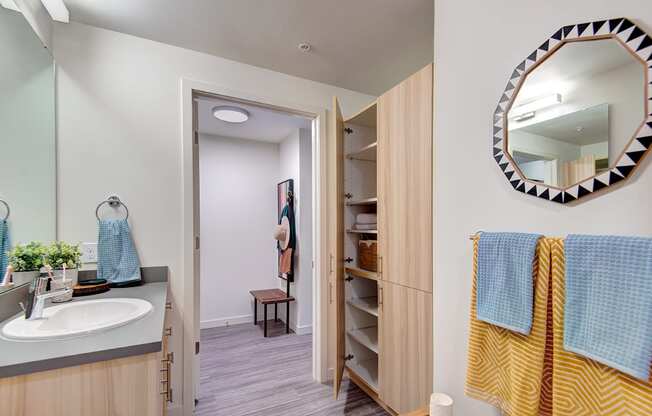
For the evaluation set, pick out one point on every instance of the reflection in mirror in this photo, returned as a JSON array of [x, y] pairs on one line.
[[575, 112], [27, 136]]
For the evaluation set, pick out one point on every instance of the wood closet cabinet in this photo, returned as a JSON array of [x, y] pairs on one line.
[[380, 326]]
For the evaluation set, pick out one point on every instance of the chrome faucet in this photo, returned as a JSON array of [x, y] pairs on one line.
[[39, 303]]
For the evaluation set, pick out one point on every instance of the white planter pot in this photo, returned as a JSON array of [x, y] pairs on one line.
[[20, 278], [71, 274]]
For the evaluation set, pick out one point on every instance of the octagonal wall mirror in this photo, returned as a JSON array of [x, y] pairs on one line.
[[575, 116]]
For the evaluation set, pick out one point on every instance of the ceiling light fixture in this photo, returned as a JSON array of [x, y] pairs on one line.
[[304, 47], [535, 105], [58, 10], [230, 114]]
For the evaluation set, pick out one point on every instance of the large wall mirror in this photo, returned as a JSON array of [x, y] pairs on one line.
[[27, 137], [575, 117]]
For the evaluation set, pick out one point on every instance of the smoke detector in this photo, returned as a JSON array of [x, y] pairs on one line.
[[304, 47]]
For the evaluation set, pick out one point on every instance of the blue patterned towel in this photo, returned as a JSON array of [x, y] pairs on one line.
[[608, 311], [5, 246], [117, 259], [505, 284]]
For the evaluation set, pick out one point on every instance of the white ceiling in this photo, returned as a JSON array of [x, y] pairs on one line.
[[576, 60], [593, 125], [264, 124], [362, 45]]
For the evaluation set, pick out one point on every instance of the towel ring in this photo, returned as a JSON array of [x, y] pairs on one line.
[[3, 202], [113, 201]]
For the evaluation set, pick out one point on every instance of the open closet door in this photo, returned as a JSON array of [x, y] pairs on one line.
[[336, 239]]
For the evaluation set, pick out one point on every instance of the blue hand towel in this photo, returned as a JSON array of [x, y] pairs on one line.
[[608, 311], [505, 284], [5, 246], [117, 259]]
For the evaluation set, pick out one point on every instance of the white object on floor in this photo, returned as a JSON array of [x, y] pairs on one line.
[[441, 405], [77, 318]]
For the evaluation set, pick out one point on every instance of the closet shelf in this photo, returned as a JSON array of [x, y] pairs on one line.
[[367, 370], [358, 272], [366, 117], [367, 337], [362, 231], [366, 201], [367, 153], [367, 304]]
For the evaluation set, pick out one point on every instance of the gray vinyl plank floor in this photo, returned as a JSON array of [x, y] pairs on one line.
[[244, 374]]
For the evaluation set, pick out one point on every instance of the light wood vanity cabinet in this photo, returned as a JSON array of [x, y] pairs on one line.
[[127, 386], [380, 326], [139, 385]]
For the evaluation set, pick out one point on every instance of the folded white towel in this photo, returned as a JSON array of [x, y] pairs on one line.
[[364, 227], [366, 218]]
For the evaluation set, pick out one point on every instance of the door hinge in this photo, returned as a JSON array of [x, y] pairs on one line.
[[348, 195], [348, 130], [196, 243], [196, 138], [348, 278], [348, 260], [348, 357], [196, 347]]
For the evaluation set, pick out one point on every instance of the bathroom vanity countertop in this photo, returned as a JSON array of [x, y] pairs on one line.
[[136, 338]]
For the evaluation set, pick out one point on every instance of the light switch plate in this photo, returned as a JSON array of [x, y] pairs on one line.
[[89, 252]]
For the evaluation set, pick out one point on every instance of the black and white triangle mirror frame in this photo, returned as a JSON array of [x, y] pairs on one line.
[[639, 43]]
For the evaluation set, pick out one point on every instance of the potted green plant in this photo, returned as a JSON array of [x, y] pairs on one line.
[[26, 261], [60, 254]]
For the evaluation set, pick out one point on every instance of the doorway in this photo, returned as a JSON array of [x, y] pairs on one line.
[[192, 93]]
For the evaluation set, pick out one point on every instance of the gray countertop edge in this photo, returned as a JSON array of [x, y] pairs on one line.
[[80, 359]]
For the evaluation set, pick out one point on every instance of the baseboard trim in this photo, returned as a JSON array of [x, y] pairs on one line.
[[231, 320], [245, 319], [302, 330]]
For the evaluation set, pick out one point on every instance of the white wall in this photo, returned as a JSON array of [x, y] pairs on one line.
[[27, 141], [477, 46], [119, 131], [535, 144], [296, 163], [238, 213]]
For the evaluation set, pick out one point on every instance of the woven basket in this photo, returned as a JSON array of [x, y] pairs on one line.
[[368, 255]]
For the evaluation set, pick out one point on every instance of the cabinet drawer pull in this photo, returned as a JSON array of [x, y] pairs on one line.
[[168, 305]]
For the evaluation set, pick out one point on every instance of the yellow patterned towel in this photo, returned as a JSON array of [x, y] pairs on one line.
[[583, 387], [507, 369]]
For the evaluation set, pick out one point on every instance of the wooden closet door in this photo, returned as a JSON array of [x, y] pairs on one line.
[[405, 182], [405, 343], [336, 243]]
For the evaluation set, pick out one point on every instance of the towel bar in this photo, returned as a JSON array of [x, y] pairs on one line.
[[475, 235]]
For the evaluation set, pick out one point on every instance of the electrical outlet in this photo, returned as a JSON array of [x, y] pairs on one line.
[[89, 252]]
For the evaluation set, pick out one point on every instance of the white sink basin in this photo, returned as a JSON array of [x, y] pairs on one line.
[[77, 318]]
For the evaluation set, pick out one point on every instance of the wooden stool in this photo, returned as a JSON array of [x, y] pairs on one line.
[[271, 296]]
